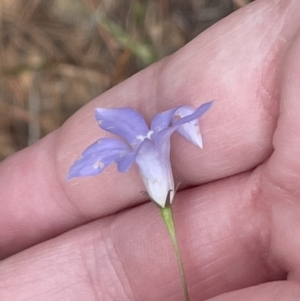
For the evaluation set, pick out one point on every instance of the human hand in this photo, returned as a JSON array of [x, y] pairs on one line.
[[237, 217]]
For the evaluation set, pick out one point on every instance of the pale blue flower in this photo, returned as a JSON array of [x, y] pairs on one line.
[[149, 148]]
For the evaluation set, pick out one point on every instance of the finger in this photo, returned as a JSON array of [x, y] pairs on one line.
[[279, 290], [37, 202], [284, 165], [282, 172], [223, 235]]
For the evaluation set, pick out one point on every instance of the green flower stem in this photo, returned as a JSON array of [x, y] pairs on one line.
[[167, 216]]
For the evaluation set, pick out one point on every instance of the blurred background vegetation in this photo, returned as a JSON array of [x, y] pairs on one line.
[[58, 55]]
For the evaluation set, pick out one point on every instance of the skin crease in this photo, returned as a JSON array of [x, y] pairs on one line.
[[237, 215]]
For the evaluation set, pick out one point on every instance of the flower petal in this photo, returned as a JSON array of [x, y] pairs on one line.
[[165, 134], [181, 118], [162, 120], [191, 129], [153, 160], [198, 112], [125, 163], [98, 156], [127, 123], [185, 121]]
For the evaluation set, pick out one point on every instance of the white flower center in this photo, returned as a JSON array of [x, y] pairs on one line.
[[142, 138]]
